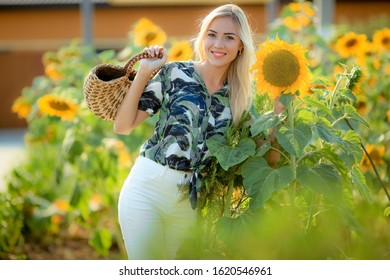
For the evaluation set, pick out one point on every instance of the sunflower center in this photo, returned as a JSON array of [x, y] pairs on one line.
[[59, 106], [179, 53], [376, 157], [150, 36], [361, 105], [281, 68], [386, 41], [351, 43]]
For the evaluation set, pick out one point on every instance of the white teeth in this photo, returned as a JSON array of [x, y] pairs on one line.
[[218, 54]]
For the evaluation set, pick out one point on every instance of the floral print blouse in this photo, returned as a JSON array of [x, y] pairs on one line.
[[189, 115]]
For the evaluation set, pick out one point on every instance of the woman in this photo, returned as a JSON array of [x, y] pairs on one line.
[[196, 100]]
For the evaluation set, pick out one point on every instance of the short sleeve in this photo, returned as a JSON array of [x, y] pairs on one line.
[[151, 98]]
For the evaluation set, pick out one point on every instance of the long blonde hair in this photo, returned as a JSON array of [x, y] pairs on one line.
[[239, 76]]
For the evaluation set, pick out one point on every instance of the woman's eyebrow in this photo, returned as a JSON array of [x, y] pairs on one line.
[[227, 33]]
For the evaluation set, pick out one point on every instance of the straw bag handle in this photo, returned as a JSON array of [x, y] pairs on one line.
[[129, 65]]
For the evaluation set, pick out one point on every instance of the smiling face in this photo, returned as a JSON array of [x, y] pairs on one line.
[[222, 42]]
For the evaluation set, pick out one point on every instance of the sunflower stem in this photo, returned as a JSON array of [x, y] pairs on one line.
[[372, 163], [291, 115], [334, 95], [311, 213], [343, 117]]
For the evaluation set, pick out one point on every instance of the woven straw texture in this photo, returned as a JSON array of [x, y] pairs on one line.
[[106, 85]]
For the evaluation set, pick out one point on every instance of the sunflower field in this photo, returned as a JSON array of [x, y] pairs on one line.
[[311, 182]]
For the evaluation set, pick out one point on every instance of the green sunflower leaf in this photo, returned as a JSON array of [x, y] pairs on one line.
[[353, 145], [264, 122], [101, 241], [354, 115], [328, 153], [229, 156], [304, 116], [319, 105], [323, 179], [286, 99], [359, 181], [324, 130], [261, 181], [263, 149], [294, 140], [387, 212]]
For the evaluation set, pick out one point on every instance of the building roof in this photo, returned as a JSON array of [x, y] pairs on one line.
[[45, 2], [31, 3], [77, 2]]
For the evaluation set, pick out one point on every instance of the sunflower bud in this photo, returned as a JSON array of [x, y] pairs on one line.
[[354, 79]]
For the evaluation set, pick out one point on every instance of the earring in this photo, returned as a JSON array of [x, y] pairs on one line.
[[239, 52]]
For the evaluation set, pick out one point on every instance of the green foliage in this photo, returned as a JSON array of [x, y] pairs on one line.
[[261, 181], [310, 204], [11, 226], [230, 155], [74, 170], [101, 241]]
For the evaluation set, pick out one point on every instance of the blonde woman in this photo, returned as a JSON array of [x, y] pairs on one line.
[[195, 100]]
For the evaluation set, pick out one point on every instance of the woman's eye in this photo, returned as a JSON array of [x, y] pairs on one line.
[[212, 35], [229, 37]]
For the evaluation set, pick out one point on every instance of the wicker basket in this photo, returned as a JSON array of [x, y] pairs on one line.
[[106, 86]]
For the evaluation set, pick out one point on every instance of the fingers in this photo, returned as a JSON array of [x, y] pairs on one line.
[[155, 51], [157, 58]]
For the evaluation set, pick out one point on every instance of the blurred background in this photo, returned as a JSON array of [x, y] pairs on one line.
[[29, 28]]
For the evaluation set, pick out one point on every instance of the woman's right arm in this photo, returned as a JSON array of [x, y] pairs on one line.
[[128, 115]]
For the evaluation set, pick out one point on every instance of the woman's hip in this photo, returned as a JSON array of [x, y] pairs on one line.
[[153, 181]]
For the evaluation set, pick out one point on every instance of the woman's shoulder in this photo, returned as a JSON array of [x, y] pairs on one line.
[[179, 69], [182, 65]]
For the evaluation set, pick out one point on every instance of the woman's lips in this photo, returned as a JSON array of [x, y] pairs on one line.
[[218, 54]]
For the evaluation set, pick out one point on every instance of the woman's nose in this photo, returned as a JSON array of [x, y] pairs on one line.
[[218, 42]]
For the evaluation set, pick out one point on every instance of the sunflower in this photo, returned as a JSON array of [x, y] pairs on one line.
[[361, 105], [50, 57], [47, 135], [180, 50], [387, 69], [310, 88], [388, 115], [56, 106], [368, 53], [376, 153], [280, 68], [61, 205], [351, 44], [296, 23], [147, 33], [302, 17], [21, 107], [355, 80], [303, 7], [52, 71], [381, 39]]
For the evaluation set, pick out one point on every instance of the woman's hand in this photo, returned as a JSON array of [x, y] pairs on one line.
[[128, 115], [272, 156], [158, 57], [278, 106]]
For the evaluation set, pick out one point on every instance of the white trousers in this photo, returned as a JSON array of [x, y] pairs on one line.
[[153, 218]]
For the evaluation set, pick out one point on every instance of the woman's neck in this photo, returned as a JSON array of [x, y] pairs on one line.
[[213, 77]]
